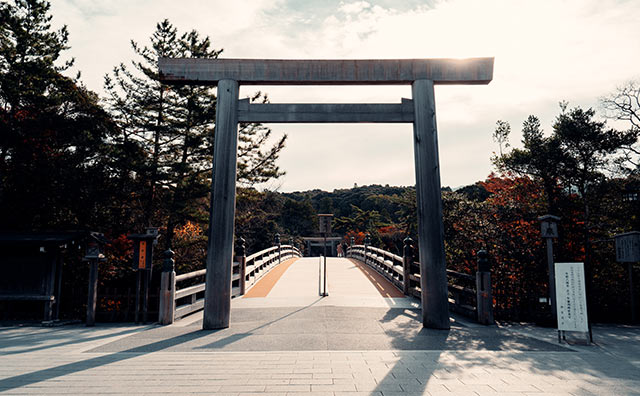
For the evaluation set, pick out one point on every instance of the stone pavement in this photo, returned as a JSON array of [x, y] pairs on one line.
[[351, 345]]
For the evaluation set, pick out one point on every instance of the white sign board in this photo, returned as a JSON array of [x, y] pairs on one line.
[[571, 297]]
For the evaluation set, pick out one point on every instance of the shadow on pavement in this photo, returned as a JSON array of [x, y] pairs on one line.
[[59, 371], [31, 338], [237, 337], [460, 362]]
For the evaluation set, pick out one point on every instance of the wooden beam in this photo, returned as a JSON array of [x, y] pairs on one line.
[[217, 306], [433, 270], [338, 112], [325, 72]]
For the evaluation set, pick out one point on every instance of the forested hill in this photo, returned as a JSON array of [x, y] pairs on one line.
[[388, 201], [340, 202]]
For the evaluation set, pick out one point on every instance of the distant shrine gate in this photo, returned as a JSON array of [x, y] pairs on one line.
[[421, 74]]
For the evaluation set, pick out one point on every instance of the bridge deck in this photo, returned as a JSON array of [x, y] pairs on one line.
[[349, 283]]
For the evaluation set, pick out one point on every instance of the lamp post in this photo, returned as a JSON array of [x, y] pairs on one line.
[[549, 229]]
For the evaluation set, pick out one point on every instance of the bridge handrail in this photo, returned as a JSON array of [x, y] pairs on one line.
[[404, 273], [190, 275], [245, 272]]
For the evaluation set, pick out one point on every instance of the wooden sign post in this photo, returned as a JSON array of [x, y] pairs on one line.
[[628, 251], [549, 231], [324, 226], [142, 262], [93, 255]]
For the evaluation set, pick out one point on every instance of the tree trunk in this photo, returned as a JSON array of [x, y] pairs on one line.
[[177, 194], [149, 209]]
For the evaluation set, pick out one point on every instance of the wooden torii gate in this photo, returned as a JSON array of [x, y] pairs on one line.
[[421, 74]]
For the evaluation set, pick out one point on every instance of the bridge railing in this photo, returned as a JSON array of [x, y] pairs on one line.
[[177, 302], [386, 263], [468, 295]]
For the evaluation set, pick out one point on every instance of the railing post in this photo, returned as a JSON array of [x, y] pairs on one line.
[[367, 241], [167, 306], [92, 294], [277, 243], [407, 259], [484, 297], [241, 258]]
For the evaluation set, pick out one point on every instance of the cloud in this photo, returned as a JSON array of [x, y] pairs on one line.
[[353, 8], [101, 31], [545, 51]]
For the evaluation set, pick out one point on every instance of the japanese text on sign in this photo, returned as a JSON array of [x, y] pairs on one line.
[[142, 255], [571, 297]]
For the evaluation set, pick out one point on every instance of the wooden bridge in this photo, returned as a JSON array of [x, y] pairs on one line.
[[366, 277]]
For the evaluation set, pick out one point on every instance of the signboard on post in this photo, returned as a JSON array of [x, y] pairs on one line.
[[324, 223], [571, 302], [549, 229], [628, 247], [142, 255]]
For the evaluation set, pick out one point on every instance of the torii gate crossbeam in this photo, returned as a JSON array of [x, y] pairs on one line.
[[421, 74]]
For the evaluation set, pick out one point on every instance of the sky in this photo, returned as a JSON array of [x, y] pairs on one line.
[[546, 51]]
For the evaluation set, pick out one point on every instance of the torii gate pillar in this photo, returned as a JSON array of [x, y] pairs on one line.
[[421, 74], [217, 300], [433, 270]]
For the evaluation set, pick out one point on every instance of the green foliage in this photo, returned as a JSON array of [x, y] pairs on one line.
[[174, 127], [298, 218], [541, 158], [54, 140], [29, 51], [588, 147], [171, 126], [257, 215]]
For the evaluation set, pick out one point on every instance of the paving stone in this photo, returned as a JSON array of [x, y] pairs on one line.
[[288, 388], [334, 388], [312, 381]]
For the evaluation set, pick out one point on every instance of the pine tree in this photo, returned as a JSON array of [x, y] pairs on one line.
[[174, 127], [54, 133]]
